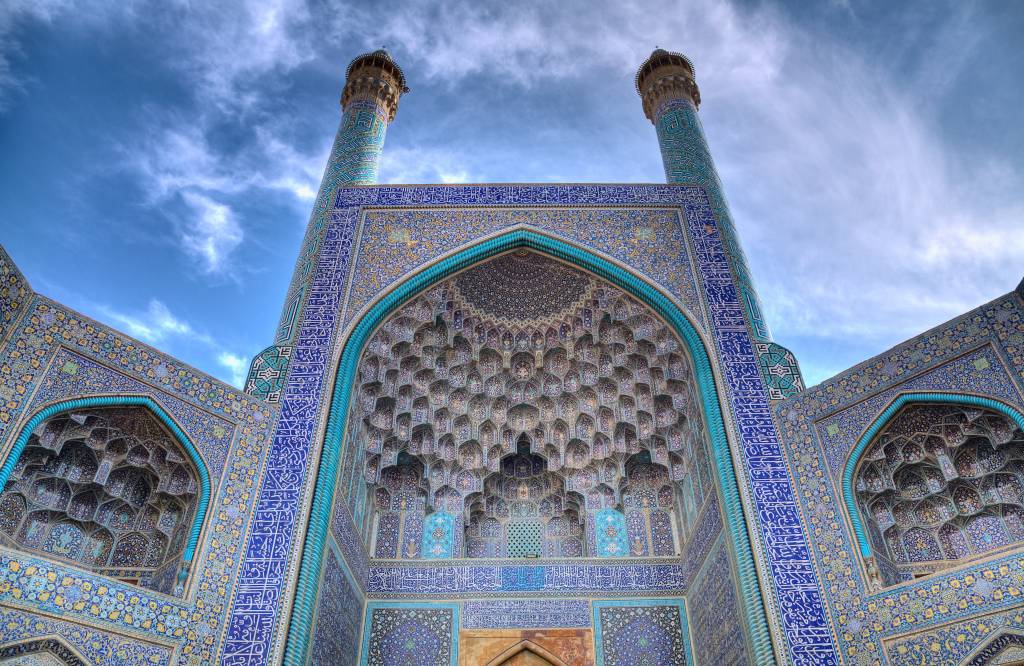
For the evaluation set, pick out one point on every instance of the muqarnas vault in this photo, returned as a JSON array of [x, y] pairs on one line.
[[512, 424]]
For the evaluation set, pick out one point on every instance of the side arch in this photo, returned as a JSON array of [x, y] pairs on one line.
[[901, 401], [49, 644], [300, 626], [202, 504]]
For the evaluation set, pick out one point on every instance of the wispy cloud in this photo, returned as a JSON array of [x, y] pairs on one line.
[[237, 366], [178, 160], [154, 325], [425, 165], [232, 45], [212, 232], [14, 14], [862, 217], [158, 326]]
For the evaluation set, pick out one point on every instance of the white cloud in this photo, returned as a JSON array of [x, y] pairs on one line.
[[232, 44], [178, 160], [212, 232], [425, 164], [236, 365], [155, 325], [288, 169], [538, 41], [860, 217], [178, 157], [862, 220], [158, 326]]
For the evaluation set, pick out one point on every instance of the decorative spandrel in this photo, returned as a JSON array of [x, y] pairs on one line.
[[939, 484], [107, 488]]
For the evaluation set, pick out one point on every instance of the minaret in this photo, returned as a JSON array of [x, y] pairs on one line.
[[670, 96], [369, 101]]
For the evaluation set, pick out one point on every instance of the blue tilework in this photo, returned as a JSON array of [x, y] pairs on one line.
[[14, 294], [97, 646], [715, 623], [640, 632], [957, 643], [704, 536], [439, 536], [410, 634], [257, 603], [980, 371], [267, 373], [255, 613], [525, 614], [687, 159], [354, 160], [610, 533], [467, 578], [395, 242], [338, 618], [784, 543], [56, 354], [959, 353], [72, 375]]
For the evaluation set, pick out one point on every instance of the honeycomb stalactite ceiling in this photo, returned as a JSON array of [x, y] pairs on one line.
[[108, 488], [943, 482], [522, 288], [525, 348]]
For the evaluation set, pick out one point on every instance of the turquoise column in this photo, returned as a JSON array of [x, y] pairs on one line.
[[373, 85], [687, 159], [670, 96]]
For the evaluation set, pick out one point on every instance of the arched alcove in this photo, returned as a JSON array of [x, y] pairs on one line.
[[534, 395], [938, 483], [107, 486], [41, 651], [342, 468]]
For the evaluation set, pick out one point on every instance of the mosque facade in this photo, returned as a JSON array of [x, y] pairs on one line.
[[506, 425]]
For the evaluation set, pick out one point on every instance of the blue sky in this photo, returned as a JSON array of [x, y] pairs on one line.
[[158, 160]]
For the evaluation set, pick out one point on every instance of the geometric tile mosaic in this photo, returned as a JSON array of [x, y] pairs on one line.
[[410, 635], [808, 631], [55, 354], [339, 615], [980, 352], [96, 646], [714, 614], [641, 633]]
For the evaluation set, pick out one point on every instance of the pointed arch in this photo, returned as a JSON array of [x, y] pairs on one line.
[[1005, 644], [202, 504], [894, 408], [300, 625], [529, 647], [52, 644]]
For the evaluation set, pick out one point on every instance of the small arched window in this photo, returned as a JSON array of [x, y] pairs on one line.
[[648, 499], [400, 502], [940, 483], [108, 488]]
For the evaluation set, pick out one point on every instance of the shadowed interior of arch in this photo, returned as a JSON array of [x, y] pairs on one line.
[[936, 479], [525, 399], [110, 483]]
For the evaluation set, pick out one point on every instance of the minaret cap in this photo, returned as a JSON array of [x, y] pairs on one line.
[[377, 78], [664, 76]]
